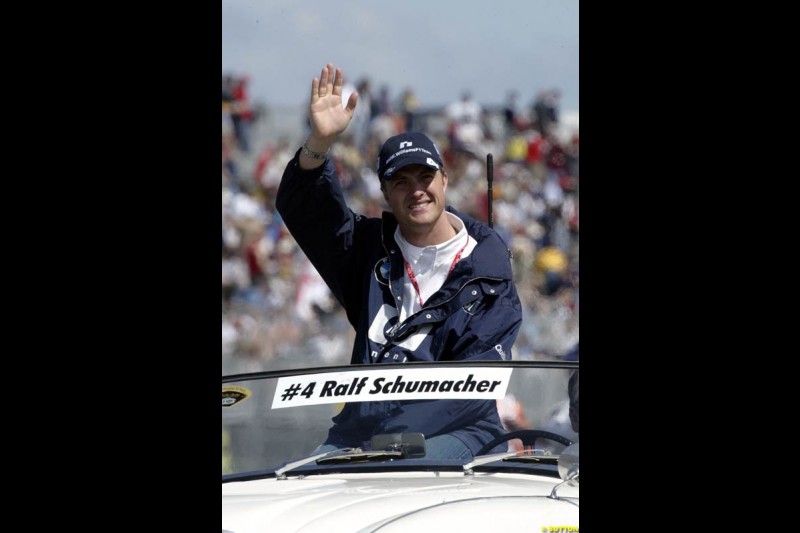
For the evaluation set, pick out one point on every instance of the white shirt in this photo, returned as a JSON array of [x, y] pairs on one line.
[[430, 264]]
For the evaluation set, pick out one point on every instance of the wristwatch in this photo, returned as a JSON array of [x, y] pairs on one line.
[[312, 154]]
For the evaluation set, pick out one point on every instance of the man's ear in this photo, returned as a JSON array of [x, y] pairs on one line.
[[444, 180]]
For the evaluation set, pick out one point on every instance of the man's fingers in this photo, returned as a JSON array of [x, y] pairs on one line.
[[331, 76], [330, 81], [351, 102], [338, 81], [323, 81], [323, 76], [326, 80]]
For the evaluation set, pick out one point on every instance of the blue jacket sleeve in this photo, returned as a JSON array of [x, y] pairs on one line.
[[313, 208]]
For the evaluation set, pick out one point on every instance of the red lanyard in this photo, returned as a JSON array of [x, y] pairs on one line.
[[413, 278]]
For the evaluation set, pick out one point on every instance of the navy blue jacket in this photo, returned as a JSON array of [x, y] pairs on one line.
[[475, 315]]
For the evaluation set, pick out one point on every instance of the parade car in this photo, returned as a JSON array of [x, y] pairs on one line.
[[274, 477]]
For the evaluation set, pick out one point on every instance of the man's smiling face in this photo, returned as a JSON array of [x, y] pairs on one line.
[[416, 195]]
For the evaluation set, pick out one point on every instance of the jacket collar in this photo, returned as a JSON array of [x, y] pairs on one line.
[[488, 259]]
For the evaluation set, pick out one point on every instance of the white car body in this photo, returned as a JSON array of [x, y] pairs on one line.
[[407, 501]]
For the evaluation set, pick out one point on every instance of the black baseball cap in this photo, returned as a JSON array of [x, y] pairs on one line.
[[410, 148]]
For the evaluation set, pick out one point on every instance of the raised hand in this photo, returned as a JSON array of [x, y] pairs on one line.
[[328, 117]]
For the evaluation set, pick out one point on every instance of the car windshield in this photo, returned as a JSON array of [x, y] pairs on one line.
[[274, 422]]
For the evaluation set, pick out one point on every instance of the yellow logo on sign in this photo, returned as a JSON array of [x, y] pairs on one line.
[[233, 394]]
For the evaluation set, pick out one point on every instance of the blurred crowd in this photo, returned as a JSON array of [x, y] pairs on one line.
[[276, 310]]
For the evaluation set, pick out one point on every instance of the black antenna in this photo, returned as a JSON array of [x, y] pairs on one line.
[[489, 178]]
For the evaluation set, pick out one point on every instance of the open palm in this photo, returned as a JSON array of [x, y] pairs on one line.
[[328, 116]]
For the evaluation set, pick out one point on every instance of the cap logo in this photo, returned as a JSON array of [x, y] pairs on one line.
[[404, 150]]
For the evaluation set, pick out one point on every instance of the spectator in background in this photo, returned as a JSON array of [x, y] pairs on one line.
[[241, 112], [464, 110], [511, 114], [360, 124], [572, 388], [546, 110], [465, 127], [409, 105], [384, 104]]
